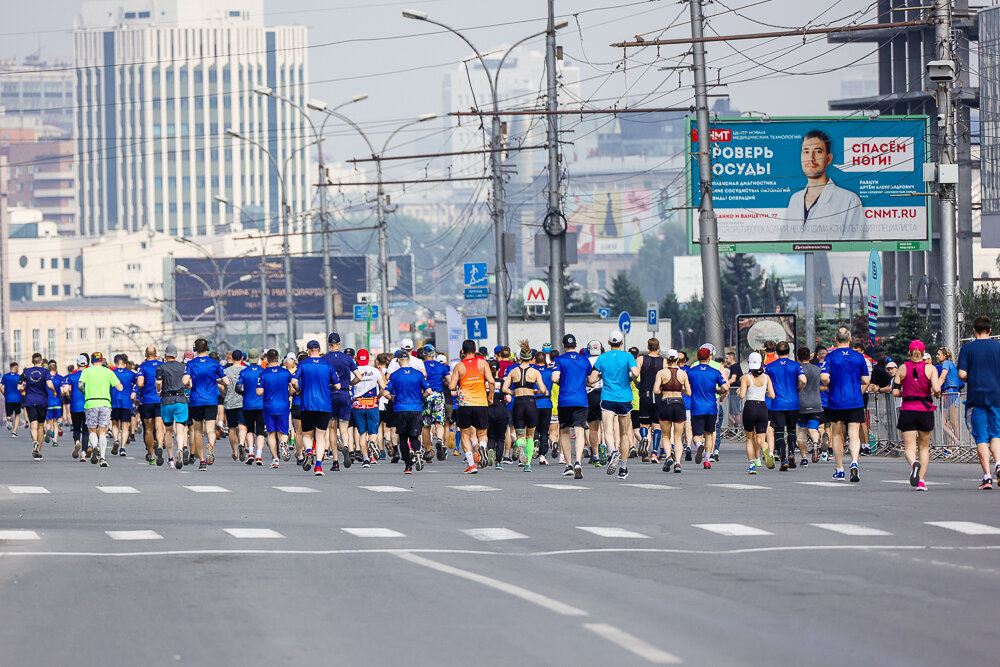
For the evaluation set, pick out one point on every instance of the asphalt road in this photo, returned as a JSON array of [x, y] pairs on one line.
[[441, 568]]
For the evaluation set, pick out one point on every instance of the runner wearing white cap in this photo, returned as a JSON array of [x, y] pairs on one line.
[[617, 369]]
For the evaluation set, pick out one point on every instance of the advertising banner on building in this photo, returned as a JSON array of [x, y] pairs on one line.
[[815, 184], [614, 222]]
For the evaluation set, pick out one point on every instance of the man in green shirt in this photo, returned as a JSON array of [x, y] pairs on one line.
[[96, 383]]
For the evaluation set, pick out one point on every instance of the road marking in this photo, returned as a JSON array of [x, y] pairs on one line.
[[827, 484], [966, 527], [474, 487], [611, 531], [562, 487], [27, 489], [649, 486], [502, 586], [207, 489], [494, 534], [373, 532], [254, 533], [731, 529], [117, 489], [296, 489], [851, 529], [906, 481], [133, 535], [18, 535], [633, 644], [386, 489], [740, 487]]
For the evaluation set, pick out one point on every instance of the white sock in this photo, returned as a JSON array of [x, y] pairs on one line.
[[468, 459], [93, 441], [103, 444]]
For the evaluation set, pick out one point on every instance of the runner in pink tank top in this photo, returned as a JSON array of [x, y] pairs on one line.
[[918, 384]]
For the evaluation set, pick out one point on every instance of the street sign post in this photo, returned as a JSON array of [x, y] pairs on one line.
[[476, 280], [652, 316], [625, 323], [362, 311], [604, 313], [476, 328]]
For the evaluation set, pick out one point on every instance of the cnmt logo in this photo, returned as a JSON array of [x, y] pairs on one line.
[[715, 135]]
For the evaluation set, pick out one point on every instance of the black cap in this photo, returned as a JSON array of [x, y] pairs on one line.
[[569, 340], [349, 351], [402, 354], [483, 351], [313, 345], [333, 338]]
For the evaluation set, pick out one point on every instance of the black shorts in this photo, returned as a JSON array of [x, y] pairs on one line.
[[571, 416], [635, 419], [472, 416], [234, 417], [648, 410], [409, 423], [672, 410], [915, 420], [12, 408], [544, 419], [848, 416], [202, 413], [755, 417], [524, 412], [702, 424], [36, 413], [313, 420], [296, 411], [254, 420], [594, 406], [150, 411], [783, 420], [79, 421], [388, 416], [121, 414], [496, 428]]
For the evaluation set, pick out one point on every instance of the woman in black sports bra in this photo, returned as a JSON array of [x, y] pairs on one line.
[[522, 383]]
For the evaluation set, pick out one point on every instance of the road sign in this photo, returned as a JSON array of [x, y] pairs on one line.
[[625, 323], [366, 297], [476, 281], [476, 328], [535, 293], [477, 292], [605, 313], [361, 311], [652, 316]]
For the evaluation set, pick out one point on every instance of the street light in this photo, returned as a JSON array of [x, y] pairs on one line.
[[495, 165], [263, 275]]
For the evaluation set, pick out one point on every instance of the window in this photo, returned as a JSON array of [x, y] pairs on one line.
[[17, 344], [55, 290], [143, 15], [69, 335], [100, 333], [81, 334], [65, 262], [36, 340], [41, 262], [50, 350], [67, 291], [23, 261], [41, 290], [54, 263]]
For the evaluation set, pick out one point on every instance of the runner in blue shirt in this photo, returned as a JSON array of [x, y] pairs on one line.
[[12, 398], [205, 376], [36, 385], [787, 378], [153, 430], [253, 405], [407, 387], [314, 380], [121, 407], [845, 376], [54, 411], [433, 432], [273, 385], [707, 386], [617, 369], [544, 405], [341, 400], [682, 364], [71, 388], [570, 374], [979, 367]]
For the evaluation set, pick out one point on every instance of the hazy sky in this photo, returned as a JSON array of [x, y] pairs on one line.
[[401, 67]]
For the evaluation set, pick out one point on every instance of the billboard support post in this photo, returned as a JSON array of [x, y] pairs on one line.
[[946, 184], [810, 261], [708, 233]]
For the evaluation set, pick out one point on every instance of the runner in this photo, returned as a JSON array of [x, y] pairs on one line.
[[682, 363], [408, 388], [314, 379], [365, 409], [755, 387], [121, 407], [36, 385], [496, 429], [232, 403], [707, 384], [543, 403], [979, 367], [150, 406], [77, 406], [473, 381], [810, 409], [273, 385], [170, 385], [570, 376], [650, 364], [671, 385], [253, 408], [597, 448], [12, 398], [917, 383], [54, 411], [205, 377], [96, 383], [788, 378], [521, 384], [845, 375], [616, 369], [434, 411], [340, 400]]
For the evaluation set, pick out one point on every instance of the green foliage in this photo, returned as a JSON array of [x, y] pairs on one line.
[[687, 321], [578, 300], [912, 325], [624, 296], [983, 300]]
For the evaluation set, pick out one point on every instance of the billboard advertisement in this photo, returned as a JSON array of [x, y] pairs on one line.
[[815, 184], [614, 222], [753, 331]]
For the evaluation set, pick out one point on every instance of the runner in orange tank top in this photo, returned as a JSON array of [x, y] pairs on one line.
[[472, 380]]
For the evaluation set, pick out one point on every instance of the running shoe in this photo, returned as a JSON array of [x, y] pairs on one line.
[[921, 486], [522, 457], [93, 454], [824, 457], [13, 434], [187, 456], [623, 473], [838, 474], [150, 459], [36, 452], [866, 450], [482, 456], [914, 473], [335, 465], [309, 460], [318, 470], [76, 450], [259, 461], [408, 470], [249, 460], [103, 463], [613, 463], [561, 460], [284, 451], [855, 473], [55, 443], [687, 453], [586, 453], [987, 484], [471, 470], [274, 463], [428, 455], [498, 466], [491, 457], [442, 454], [419, 460], [114, 447], [527, 467], [815, 455], [784, 465], [577, 471], [996, 471], [554, 451], [699, 454], [121, 452], [715, 456], [602, 455], [48, 437], [507, 460], [159, 455], [567, 471], [171, 463], [299, 460], [668, 464], [804, 463], [210, 453], [241, 453], [791, 462], [632, 453], [395, 455], [366, 464], [751, 469], [10, 425], [768, 458], [202, 466], [542, 461], [653, 458], [677, 467], [706, 464]]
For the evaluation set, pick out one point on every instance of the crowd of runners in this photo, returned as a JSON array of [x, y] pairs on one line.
[[600, 406]]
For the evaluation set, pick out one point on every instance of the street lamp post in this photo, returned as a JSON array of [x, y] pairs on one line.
[[219, 303], [263, 276]]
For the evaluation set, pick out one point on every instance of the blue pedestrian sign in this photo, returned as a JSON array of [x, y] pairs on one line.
[[361, 311], [476, 328], [625, 323], [605, 313], [476, 281]]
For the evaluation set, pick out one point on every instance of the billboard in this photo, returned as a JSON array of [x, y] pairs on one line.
[[614, 222], [815, 184], [753, 331]]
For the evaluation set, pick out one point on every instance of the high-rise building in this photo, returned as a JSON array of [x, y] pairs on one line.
[[158, 84], [36, 89], [40, 171]]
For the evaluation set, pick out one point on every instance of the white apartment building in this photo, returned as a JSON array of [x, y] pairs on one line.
[[159, 82], [43, 265]]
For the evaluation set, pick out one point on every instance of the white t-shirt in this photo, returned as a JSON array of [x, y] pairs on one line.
[[369, 380], [414, 363]]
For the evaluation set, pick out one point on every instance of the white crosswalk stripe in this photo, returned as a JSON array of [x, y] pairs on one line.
[[494, 534], [562, 487], [133, 535], [740, 487], [373, 532], [18, 535], [612, 531], [385, 489], [851, 529], [207, 489], [826, 484], [731, 529], [254, 533], [27, 489], [906, 481], [649, 486], [117, 489], [966, 527], [296, 489], [474, 487]]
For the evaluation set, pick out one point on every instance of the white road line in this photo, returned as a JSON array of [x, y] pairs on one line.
[[502, 586], [562, 487], [731, 529], [206, 489], [133, 535], [373, 532], [474, 487], [851, 529], [296, 489], [386, 489], [649, 486], [740, 487], [18, 535], [966, 527], [906, 481], [117, 489], [827, 484], [633, 644], [254, 533], [494, 534], [27, 489], [611, 531]]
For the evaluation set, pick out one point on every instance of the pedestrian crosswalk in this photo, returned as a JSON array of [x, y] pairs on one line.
[[130, 535]]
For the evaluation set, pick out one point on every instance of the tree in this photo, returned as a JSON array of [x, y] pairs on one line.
[[653, 268], [687, 321], [624, 296], [912, 325], [578, 300]]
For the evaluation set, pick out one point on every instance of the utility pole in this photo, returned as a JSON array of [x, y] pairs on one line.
[[289, 306], [708, 230], [555, 228], [496, 162], [810, 270], [328, 313], [383, 256], [946, 164], [4, 268]]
